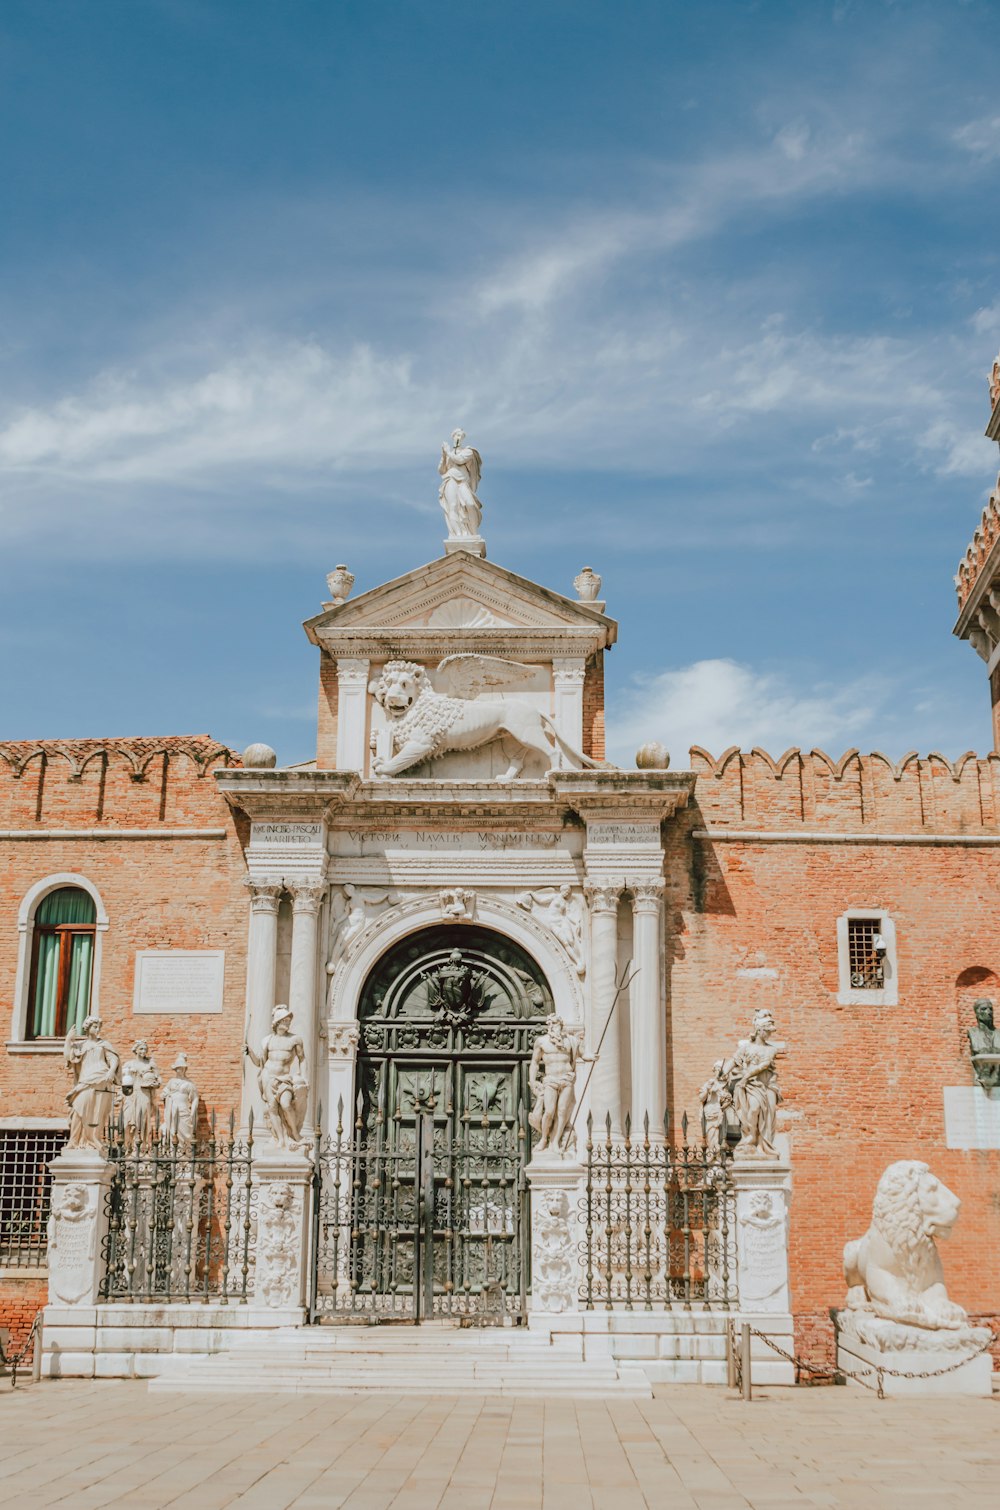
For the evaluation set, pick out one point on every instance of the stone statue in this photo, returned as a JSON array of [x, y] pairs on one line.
[[353, 911], [456, 902], [95, 1066], [557, 911], [716, 1099], [894, 1271], [424, 723], [460, 469], [283, 1086], [140, 1080], [753, 1084], [552, 1078], [180, 1106], [985, 1040]]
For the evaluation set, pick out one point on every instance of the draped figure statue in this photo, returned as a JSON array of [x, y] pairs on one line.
[[460, 469]]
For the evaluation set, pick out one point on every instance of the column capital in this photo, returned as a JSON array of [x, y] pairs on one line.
[[569, 668], [307, 896], [352, 671], [603, 896], [647, 896], [264, 895]]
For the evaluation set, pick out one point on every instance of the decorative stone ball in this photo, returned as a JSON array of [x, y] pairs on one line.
[[259, 758], [587, 584], [652, 756]]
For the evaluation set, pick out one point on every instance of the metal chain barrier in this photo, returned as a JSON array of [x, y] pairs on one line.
[[14, 1360], [821, 1371]]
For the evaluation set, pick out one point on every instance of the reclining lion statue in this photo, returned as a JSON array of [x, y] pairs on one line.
[[425, 723], [894, 1270]]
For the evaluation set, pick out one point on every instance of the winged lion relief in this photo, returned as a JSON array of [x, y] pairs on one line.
[[468, 712]]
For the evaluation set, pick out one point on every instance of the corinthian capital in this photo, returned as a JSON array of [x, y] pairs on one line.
[[646, 895], [604, 897], [307, 896], [264, 895]]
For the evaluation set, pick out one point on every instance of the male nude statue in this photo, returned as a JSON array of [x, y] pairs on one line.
[[283, 1088], [552, 1078]]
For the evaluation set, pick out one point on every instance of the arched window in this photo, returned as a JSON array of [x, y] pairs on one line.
[[62, 962]]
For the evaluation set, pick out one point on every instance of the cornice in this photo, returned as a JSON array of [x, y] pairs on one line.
[[418, 641]]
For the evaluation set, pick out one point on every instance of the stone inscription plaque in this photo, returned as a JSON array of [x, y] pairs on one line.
[[168, 981], [435, 841], [623, 834], [763, 1264], [275, 835], [971, 1117]]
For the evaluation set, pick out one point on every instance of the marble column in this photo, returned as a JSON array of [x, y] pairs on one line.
[[352, 713], [262, 954], [647, 1015], [605, 1084], [307, 899]]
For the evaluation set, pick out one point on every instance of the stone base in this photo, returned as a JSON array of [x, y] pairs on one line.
[[866, 1343], [148, 1341], [674, 1347], [473, 545]]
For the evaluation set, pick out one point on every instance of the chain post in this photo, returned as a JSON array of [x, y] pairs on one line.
[[745, 1361]]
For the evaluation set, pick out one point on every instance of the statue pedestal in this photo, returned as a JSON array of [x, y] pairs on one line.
[[866, 1343], [473, 545], [762, 1190], [555, 1185], [283, 1179], [78, 1225]]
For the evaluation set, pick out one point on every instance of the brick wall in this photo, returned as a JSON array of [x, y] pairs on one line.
[[752, 923], [593, 707], [20, 1302], [183, 893], [326, 733]]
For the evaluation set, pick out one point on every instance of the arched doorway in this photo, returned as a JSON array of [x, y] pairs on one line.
[[422, 1210]]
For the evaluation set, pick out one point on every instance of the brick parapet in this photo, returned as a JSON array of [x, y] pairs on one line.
[[809, 790], [593, 707], [984, 538]]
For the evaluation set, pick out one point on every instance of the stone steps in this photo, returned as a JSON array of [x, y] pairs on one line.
[[419, 1361]]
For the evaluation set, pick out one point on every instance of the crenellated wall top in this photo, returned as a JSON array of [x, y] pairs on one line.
[[807, 788]]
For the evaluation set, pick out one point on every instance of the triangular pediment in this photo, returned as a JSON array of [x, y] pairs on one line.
[[460, 594]]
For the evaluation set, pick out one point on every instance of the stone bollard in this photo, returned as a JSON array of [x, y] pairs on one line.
[[283, 1178]]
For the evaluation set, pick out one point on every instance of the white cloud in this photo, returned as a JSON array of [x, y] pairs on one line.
[[986, 321], [793, 140], [718, 703], [981, 137]]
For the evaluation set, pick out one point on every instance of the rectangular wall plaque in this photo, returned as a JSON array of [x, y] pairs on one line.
[[169, 981], [971, 1118]]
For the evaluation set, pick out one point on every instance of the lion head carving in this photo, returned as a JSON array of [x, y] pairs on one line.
[[399, 686], [912, 1207], [895, 1270]]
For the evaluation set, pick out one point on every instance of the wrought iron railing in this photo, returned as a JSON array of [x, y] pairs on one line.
[[658, 1221], [181, 1217]]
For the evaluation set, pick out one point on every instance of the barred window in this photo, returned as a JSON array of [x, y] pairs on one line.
[[25, 1190], [866, 953]]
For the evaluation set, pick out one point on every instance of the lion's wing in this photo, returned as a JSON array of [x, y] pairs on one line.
[[468, 675]]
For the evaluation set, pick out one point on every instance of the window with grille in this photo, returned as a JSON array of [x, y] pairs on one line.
[[62, 962], [25, 1190], [866, 953]]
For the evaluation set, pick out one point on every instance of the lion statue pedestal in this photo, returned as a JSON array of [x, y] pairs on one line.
[[899, 1315]]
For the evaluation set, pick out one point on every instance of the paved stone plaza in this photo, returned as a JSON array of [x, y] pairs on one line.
[[91, 1445]]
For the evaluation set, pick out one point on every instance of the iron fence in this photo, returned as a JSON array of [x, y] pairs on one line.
[[181, 1217], [658, 1222], [25, 1193]]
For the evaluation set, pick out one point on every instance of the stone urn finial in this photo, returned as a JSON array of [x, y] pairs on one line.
[[339, 582], [587, 584]]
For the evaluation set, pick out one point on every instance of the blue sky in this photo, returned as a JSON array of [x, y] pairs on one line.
[[712, 287]]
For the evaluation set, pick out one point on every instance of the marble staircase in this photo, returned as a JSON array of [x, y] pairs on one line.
[[432, 1359]]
